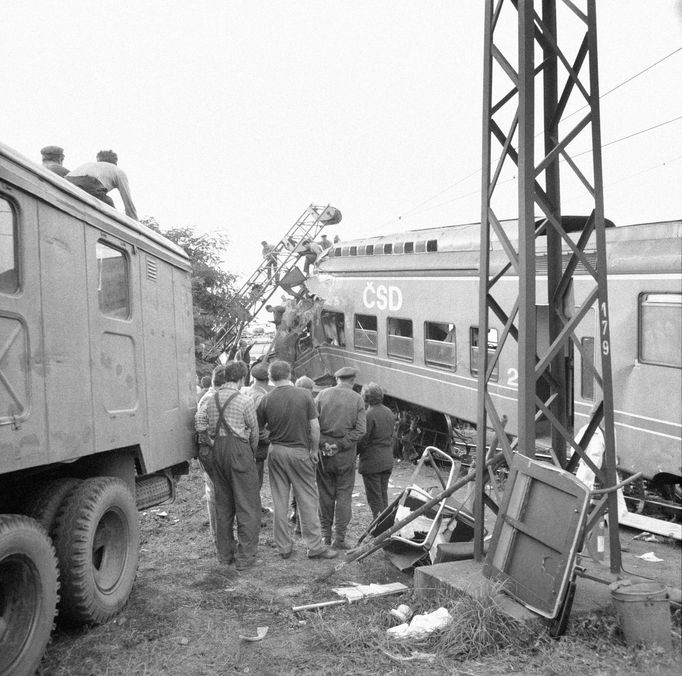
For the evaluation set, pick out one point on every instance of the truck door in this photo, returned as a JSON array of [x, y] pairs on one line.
[[116, 341], [22, 395]]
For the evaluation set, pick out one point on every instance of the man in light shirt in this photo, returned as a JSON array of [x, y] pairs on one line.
[[100, 177]]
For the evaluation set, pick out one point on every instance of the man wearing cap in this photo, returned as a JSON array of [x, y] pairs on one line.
[[324, 242], [102, 176], [342, 423], [291, 418], [53, 158], [257, 390]]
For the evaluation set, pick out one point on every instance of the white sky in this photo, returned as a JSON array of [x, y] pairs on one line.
[[235, 115]]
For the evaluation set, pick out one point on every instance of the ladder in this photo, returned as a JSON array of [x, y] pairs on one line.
[[263, 282]]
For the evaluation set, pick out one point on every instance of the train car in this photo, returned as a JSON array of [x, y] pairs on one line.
[[403, 309], [97, 394]]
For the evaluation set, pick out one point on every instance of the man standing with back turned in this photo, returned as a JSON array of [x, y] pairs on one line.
[[226, 422], [290, 415], [342, 422]]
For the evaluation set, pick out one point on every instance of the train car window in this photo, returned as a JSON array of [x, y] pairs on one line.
[[440, 345], [473, 351], [388, 248], [365, 333], [660, 329], [586, 373], [112, 284], [337, 251], [400, 341], [409, 247], [354, 251], [432, 245], [420, 247], [398, 248], [334, 327], [9, 249], [370, 250]]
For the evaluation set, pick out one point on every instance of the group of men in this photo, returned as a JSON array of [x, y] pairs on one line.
[[96, 178], [310, 445]]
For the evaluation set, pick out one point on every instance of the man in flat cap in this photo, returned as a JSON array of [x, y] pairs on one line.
[[100, 177], [342, 423], [53, 158]]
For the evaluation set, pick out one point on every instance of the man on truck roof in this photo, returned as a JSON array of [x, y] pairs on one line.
[[100, 177], [53, 159]]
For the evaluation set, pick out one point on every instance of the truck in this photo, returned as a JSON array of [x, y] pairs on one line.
[[97, 396]]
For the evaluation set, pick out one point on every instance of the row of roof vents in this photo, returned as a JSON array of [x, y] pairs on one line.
[[422, 246]]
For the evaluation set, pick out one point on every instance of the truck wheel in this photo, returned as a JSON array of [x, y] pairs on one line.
[[44, 503], [97, 540], [28, 593]]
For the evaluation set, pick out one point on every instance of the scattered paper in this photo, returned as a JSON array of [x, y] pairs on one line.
[[260, 635], [422, 625], [650, 556]]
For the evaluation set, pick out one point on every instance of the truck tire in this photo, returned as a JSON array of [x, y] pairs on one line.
[[28, 594], [97, 541], [45, 501]]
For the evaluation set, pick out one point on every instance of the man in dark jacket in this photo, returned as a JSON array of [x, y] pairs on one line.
[[342, 423], [375, 449]]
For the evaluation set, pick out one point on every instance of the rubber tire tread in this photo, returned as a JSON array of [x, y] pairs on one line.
[[45, 501], [21, 534], [82, 601]]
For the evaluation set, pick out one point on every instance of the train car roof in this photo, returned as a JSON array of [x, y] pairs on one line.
[[45, 184], [466, 237]]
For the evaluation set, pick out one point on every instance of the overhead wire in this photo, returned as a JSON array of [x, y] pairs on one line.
[[416, 209], [585, 152]]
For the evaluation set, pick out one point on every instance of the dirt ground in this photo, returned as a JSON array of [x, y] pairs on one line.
[[186, 613]]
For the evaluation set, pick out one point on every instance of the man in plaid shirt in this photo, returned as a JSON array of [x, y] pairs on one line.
[[228, 437]]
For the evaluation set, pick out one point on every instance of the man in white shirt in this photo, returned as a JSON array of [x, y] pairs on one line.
[[100, 177]]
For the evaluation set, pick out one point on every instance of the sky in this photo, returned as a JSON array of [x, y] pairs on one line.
[[233, 116]]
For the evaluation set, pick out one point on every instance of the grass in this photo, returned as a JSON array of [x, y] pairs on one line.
[[185, 615]]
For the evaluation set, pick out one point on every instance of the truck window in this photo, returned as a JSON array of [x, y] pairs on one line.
[[660, 329], [400, 341], [473, 351], [440, 346], [365, 333], [9, 263], [112, 285]]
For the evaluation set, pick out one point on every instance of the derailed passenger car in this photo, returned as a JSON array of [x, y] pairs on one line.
[[96, 400], [403, 310]]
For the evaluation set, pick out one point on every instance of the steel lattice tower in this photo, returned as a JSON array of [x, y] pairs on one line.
[[566, 113]]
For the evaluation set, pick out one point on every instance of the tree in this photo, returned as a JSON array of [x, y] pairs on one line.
[[212, 288]]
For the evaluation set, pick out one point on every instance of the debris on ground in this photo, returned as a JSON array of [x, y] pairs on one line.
[[260, 635], [421, 625], [356, 592], [650, 556]]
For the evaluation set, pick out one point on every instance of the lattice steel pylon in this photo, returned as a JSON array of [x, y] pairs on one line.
[[510, 112]]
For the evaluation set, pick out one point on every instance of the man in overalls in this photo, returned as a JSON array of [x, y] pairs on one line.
[[228, 438]]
